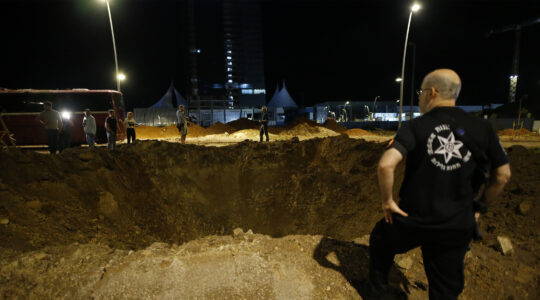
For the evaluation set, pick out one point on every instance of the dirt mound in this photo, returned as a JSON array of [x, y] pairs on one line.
[[152, 132], [357, 132], [306, 130], [512, 132], [301, 120], [333, 125], [194, 130], [219, 128], [244, 123], [167, 132]]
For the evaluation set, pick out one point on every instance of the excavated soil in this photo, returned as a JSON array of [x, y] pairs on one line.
[[157, 220]]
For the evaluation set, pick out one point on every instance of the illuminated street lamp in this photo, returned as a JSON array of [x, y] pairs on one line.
[[398, 79], [118, 75], [414, 8]]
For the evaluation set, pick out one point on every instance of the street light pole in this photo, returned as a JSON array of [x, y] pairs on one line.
[[117, 75], [414, 8], [412, 78]]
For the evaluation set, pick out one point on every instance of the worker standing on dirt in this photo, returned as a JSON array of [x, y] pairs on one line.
[[89, 126], [264, 124], [52, 122], [110, 127], [435, 210], [181, 123]]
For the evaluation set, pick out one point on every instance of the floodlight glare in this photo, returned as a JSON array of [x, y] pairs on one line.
[[398, 79], [121, 76], [416, 7]]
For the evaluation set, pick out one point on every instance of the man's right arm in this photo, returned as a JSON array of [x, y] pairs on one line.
[[385, 173], [500, 177], [39, 119]]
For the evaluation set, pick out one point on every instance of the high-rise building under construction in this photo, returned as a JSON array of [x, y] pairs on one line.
[[226, 63]]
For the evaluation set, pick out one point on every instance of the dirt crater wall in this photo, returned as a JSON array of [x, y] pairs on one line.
[[159, 191]]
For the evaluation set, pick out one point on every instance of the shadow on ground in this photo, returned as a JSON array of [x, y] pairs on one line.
[[352, 261]]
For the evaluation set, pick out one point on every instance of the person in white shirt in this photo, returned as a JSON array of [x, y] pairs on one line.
[[89, 125]]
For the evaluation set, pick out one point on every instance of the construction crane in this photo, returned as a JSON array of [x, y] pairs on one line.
[[516, 28]]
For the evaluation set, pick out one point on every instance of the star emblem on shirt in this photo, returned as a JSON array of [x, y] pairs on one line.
[[449, 147]]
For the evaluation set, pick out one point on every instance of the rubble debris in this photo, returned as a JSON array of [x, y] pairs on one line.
[[505, 245]]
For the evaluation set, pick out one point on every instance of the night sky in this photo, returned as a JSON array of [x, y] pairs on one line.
[[324, 50]]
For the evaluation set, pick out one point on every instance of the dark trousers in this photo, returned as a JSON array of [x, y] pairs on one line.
[[443, 251], [111, 140], [264, 131], [52, 137], [64, 140], [130, 132]]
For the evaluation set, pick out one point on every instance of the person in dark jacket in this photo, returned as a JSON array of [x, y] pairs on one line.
[[435, 210], [110, 128], [264, 124]]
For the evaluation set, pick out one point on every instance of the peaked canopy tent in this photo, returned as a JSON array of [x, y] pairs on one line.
[[163, 112], [279, 103], [282, 100]]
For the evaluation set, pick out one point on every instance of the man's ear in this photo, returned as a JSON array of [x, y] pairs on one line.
[[434, 93]]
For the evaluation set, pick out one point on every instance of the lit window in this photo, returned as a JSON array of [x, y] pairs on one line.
[[229, 63], [229, 51], [259, 91], [229, 75], [229, 57], [229, 81], [229, 69], [247, 91]]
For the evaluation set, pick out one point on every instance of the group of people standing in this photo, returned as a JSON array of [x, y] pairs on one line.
[[59, 128]]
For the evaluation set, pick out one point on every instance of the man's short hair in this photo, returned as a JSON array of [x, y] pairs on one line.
[[47, 103], [447, 88], [111, 110], [87, 110]]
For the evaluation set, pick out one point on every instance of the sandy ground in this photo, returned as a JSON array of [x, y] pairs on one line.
[[162, 220]]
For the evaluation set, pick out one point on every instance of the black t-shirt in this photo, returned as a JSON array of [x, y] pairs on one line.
[[264, 118], [437, 189], [111, 122]]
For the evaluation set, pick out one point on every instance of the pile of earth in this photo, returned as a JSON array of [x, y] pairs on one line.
[[155, 220], [356, 132], [244, 123], [167, 132], [521, 132], [333, 125], [220, 128]]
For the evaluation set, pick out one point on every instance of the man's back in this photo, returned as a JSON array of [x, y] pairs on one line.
[[437, 191], [50, 118]]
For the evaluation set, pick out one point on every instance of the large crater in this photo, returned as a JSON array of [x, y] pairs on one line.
[[158, 191]]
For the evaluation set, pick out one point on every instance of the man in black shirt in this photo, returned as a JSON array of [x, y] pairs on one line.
[[110, 127], [435, 209], [264, 124]]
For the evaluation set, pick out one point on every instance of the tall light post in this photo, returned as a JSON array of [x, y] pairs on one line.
[[414, 9], [119, 77], [412, 78]]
